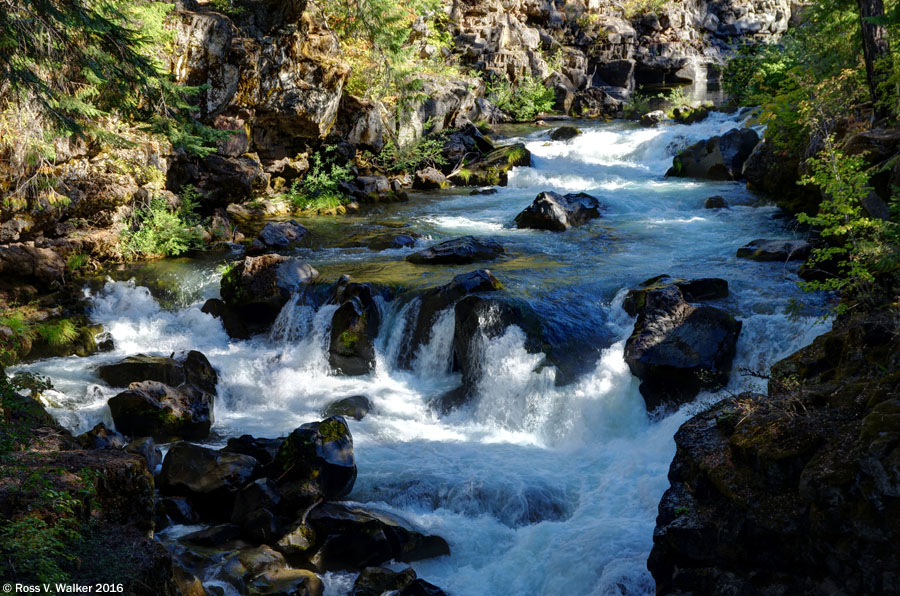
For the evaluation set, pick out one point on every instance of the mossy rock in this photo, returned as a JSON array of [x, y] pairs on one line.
[[321, 454], [493, 169]]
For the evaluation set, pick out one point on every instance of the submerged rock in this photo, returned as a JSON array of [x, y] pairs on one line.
[[281, 235], [353, 537], [355, 406], [716, 202], [157, 410], [717, 158], [258, 287], [458, 251], [557, 213], [676, 348], [775, 250], [320, 455]]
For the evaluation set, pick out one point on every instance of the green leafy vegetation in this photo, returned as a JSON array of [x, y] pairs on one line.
[[158, 230], [319, 188], [523, 100], [638, 8], [427, 151]]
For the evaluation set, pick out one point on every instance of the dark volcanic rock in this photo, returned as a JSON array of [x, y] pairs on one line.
[[163, 412], [693, 290], [191, 367], [101, 437], [320, 454], [375, 581], [351, 537], [555, 212], [354, 327], [231, 320], [458, 251], [493, 169], [775, 250], [258, 287], [717, 158], [262, 450], [355, 406], [676, 348], [146, 448], [795, 492], [281, 235], [716, 202], [564, 133]]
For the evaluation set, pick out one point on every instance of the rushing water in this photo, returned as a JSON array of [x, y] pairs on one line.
[[540, 488]]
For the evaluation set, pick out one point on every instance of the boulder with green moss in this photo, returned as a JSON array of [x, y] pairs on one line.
[[693, 290], [189, 367], [354, 327], [319, 455], [493, 169], [166, 413]]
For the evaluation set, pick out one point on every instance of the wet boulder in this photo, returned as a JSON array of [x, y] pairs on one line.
[[213, 536], [493, 169], [287, 582], [464, 144], [693, 290], [211, 479], [262, 450], [262, 493], [355, 406], [718, 158], [157, 410], [319, 455], [258, 287], [677, 349], [354, 327], [775, 250], [190, 367], [375, 581], [352, 537], [280, 235], [564, 133], [557, 213], [297, 541], [241, 567], [653, 118], [101, 437], [435, 300], [231, 320], [430, 179], [689, 115], [716, 202], [420, 587], [146, 448], [458, 251]]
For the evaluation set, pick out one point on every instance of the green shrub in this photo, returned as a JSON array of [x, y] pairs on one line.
[[158, 231], [319, 187], [522, 101], [425, 152], [638, 8]]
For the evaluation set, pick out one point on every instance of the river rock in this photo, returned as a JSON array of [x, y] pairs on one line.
[[777, 172], [466, 144], [564, 133], [355, 406], [210, 478], [677, 348], [320, 454], [352, 537], [375, 581], [354, 327], [287, 582], [241, 567], [258, 287], [262, 450], [716, 202], [493, 169], [420, 587], [262, 493], [213, 536], [281, 235], [101, 437], [689, 115], [297, 541], [435, 300], [154, 409], [652, 118], [458, 251], [231, 320], [717, 158], [190, 367], [557, 213], [693, 290], [146, 448], [430, 179], [775, 250]]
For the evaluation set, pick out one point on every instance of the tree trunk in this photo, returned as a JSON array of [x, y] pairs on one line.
[[876, 52]]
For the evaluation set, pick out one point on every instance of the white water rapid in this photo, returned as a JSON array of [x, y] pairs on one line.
[[539, 489]]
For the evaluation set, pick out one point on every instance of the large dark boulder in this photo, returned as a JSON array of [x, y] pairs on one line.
[[717, 158], [677, 348], [101, 437], [466, 144], [262, 450], [320, 456], [352, 537], [557, 213], [458, 251], [258, 287], [231, 320], [375, 581], [211, 479], [354, 327], [355, 406], [190, 367], [493, 169], [280, 235], [154, 409], [693, 290], [435, 300], [564, 133], [775, 250]]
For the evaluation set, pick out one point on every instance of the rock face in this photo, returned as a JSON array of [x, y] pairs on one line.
[[458, 251], [677, 348], [557, 213], [157, 410], [258, 287], [717, 158], [775, 250], [794, 492], [282, 235], [354, 327]]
